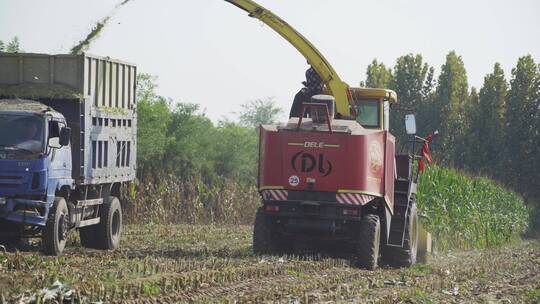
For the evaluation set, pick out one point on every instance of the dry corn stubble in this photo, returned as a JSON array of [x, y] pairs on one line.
[[200, 263]]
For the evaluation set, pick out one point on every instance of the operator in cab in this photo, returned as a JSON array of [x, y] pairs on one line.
[[32, 135], [312, 86]]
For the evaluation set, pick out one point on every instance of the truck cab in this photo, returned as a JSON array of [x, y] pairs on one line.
[[35, 160]]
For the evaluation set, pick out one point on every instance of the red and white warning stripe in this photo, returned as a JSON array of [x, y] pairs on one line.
[[353, 199], [275, 195]]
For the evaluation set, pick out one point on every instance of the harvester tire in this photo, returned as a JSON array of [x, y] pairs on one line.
[[109, 229], [369, 238], [263, 237], [405, 256], [56, 229]]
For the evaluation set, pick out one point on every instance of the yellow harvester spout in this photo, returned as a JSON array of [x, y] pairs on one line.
[[335, 85]]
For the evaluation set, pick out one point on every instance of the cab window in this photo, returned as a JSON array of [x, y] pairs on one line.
[[369, 114]]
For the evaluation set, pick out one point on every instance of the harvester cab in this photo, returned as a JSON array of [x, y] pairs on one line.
[[372, 107], [334, 177]]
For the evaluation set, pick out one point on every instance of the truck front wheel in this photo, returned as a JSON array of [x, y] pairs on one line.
[[369, 238], [109, 229], [56, 228]]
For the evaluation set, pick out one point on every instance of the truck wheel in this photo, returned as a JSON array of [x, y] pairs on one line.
[[263, 237], [109, 229], [56, 229], [367, 248], [406, 256]]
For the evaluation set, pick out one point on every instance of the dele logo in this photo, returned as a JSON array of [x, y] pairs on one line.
[[307, 163]]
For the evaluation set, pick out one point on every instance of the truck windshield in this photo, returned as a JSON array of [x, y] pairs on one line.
[[369, 113], [22, 132]]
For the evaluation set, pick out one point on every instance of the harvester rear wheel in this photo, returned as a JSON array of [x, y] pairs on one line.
[[264, 239], [405, 256], [367, 248]]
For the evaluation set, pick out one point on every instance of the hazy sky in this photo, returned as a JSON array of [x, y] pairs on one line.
[[211, 53]]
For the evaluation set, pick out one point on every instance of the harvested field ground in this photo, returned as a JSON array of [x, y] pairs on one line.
[[167, 264]]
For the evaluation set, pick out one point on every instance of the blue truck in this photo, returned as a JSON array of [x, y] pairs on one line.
[[67, 148]]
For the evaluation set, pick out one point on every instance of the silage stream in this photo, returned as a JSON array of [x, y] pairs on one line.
[[84, 44]]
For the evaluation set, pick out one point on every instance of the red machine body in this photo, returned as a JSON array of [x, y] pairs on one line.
[[354, 163]]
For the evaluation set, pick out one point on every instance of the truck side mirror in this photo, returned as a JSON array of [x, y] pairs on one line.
[[410, 124], [65, 136]]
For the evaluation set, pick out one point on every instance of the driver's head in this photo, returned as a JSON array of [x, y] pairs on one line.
[[31, 129]]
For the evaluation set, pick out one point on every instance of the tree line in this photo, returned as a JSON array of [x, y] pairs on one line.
[[493, 131], [178, 139]]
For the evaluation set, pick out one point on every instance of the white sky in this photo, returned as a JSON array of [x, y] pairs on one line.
[[211, 53]]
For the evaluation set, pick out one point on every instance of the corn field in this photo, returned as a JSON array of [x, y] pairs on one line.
[[466, 212], [169, 200], [460, 210]]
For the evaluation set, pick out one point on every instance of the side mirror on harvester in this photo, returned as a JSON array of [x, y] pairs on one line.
[[65, 136], [410, 124]]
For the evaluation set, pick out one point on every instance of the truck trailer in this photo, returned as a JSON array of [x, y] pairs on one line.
[[67, 148]]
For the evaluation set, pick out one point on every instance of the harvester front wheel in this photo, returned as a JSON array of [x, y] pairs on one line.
[[367, 248], [263, 237], [405, 256]]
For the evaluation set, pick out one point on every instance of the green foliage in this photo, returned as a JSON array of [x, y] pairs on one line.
[[238, 148], [259, 112], [183, 142], [153, 119], [449, 107], [469, 212], [413, 83], [487, 123], [534, 295], [13, 46], [378, 75], [522, 133], [473, 140]]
